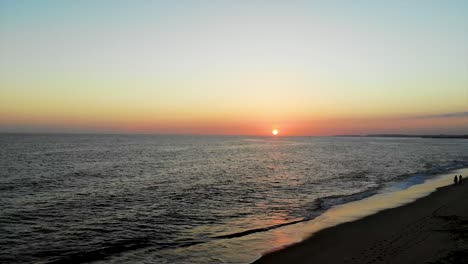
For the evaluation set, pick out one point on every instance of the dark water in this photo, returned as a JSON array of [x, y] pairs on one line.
[[183, 199]]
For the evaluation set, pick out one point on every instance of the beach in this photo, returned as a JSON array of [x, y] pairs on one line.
[[432, 229]]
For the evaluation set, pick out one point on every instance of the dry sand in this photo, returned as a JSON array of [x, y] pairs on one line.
[[433, 229]]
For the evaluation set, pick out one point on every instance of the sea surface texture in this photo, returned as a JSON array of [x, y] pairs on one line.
[[187, 199]]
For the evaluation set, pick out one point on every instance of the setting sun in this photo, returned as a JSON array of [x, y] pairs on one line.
[[275, 132]]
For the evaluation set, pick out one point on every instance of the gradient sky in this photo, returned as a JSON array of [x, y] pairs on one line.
[[234, 67]]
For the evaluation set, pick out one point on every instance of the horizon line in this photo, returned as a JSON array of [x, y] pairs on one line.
[[226, 135]]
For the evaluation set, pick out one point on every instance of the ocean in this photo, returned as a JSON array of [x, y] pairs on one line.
[[68, 198]]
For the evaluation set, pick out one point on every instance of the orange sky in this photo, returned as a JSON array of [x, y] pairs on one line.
[[305, 68], [228, 126]]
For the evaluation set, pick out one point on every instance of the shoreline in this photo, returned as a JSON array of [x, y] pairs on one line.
[[428, 225]]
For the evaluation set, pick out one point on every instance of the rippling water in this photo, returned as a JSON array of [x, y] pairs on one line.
[[187, 199]]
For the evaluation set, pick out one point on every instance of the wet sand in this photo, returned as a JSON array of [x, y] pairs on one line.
[[432, 229]]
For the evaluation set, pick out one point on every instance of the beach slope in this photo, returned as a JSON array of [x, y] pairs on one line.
[[433, 229]]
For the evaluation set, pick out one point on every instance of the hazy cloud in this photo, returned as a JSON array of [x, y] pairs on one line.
[[447, 115]]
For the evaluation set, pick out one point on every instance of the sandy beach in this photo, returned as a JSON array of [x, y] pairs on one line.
[[432, 229]]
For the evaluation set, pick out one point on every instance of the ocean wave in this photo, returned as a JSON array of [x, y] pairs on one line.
[[327, 202]]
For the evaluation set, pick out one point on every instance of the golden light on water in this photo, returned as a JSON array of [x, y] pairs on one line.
[[275, 132]]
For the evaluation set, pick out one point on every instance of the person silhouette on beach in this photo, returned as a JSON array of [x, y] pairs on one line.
[[455, 179], [460, 178]]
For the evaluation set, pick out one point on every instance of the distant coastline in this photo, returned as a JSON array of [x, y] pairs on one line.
[[407, 136]]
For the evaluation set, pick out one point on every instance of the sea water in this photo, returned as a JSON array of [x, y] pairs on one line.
[[189, 199]]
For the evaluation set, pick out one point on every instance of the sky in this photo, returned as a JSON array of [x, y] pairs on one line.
[[234, 67]]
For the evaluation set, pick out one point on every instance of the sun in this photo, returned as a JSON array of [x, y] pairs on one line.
[[275, 132]]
